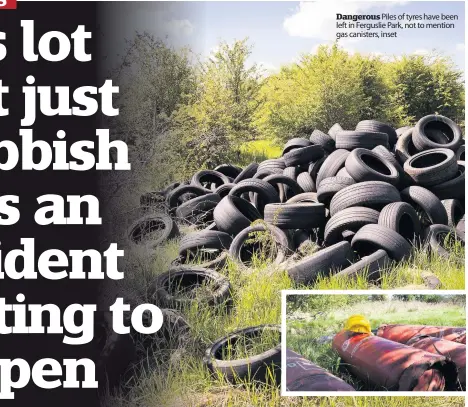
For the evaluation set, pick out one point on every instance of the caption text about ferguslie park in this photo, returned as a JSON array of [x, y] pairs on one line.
[[388, 25]]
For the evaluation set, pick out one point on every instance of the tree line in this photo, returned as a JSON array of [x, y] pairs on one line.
[[181, 113]]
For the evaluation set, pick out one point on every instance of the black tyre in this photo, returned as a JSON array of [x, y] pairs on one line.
[[436, 131], [306, 183], [204, 240], [374, 126], [246, 173], [171, 187], [208, 178], [198, 210], [294, 143], [371, 265], [343, 173], [455, 211], [224, 189], [173, 198], [461, 153], [231, 171], [275, 247], [333, 130], [349, 140], [207, 248], [324, 263], [295, 216], [281, 182], [401, 130], [370, 194], [314, 168], [348, 235], [330, 186], [440, 238], [178, 287], [427, 205], [234, 214], [153, 229], [404, 147], [304, 197], [291, 172], [275, 166], [371, 238], [348, 220], [265, 193], [453, 188], [405, 179], [365, 165], [333, 163], [257, 368], [402, 218], [320, 138], [432, 167], [304, 155]]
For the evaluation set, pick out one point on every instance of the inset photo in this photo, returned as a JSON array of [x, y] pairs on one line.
[[373, 342]]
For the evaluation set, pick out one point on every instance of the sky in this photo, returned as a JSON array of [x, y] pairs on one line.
[[279, 31]]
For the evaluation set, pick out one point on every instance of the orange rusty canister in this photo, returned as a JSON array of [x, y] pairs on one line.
[[461, 338], [303, 375], [403, 333], [392, 365], [452, 350]]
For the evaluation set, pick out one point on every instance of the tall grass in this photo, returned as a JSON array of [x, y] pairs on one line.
[[177, 376]]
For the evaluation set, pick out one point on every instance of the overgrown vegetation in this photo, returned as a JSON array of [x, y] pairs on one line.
[[177, 375], [181, 113]]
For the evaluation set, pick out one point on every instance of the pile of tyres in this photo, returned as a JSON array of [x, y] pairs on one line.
[[397, 358], [366, 197]]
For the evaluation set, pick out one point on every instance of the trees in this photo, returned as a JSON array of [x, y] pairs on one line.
[[219, 116], [421, 85], [322, 89], [334, 86]]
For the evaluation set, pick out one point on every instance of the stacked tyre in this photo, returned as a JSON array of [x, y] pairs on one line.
[[367, 197]]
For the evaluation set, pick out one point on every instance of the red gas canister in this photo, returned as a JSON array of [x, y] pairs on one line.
[[452, 350], [394, 366], [403, 333], [303, 375]]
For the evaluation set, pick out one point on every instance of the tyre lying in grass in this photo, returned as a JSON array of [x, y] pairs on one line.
[[442, 239], [207, 248], [153, 229], [344, 187], [370, 266], [322, 263], [260, 240], [180, 287], [250, 354]]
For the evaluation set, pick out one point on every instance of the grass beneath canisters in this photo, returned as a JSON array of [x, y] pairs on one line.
[[177, 376]]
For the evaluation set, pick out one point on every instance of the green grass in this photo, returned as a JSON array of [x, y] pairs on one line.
[[178, 377], [303, 336]]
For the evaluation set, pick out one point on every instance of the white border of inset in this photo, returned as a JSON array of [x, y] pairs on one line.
[[285, 293]]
